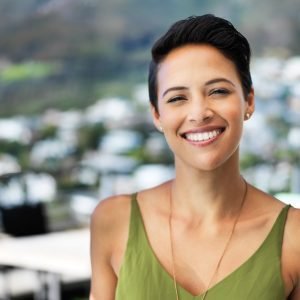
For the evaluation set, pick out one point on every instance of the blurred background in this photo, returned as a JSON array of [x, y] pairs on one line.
[[75, 124]]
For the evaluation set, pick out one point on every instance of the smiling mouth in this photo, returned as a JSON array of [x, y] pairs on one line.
[[202, 136]]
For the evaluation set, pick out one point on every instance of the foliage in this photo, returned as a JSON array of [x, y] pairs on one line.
[[58, 53], [26, 71], [47, 132], [18, 150], [67, 184], [290, 155], [89, 136], [281, 127], [249, 160], [13, 148]]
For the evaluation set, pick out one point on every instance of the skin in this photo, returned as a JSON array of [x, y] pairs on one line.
[[198, 90]]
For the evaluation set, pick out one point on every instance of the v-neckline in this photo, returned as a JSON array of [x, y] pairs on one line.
[[227, 277]]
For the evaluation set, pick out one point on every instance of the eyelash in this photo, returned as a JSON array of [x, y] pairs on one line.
[[175, 99], [219, 91]]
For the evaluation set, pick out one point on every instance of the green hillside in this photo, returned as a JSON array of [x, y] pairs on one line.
[[68, 53]]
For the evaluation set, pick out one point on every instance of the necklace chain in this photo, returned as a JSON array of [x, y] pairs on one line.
[[223, 253]]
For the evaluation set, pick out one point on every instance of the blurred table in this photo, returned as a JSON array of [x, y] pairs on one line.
[[53, 255]]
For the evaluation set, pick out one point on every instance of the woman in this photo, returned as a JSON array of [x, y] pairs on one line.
[[206, 234]]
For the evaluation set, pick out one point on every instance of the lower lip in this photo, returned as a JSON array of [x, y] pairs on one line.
[[204, 143]]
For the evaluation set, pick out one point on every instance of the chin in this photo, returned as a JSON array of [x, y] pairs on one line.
[[208, 163], [206, 166]]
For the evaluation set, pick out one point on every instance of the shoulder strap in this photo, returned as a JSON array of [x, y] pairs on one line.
[[137, 235], [281, 226], [133, 266], [275, 236]]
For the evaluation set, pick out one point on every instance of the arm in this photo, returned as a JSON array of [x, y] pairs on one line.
[[296, 293], [104, 279], [109, 233], [295, 246]]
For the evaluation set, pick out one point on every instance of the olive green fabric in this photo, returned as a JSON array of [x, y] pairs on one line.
[[142, 277]]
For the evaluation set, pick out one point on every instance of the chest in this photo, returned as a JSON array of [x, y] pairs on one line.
[[254, 253], [146, 273], [202, 260]]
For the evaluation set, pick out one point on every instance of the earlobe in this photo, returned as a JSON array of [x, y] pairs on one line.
[[247, 116], [250, 102]]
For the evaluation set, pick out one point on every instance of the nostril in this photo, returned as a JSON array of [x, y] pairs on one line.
[[201, 117]]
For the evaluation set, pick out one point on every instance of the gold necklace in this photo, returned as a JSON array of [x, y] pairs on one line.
[[223, 253]]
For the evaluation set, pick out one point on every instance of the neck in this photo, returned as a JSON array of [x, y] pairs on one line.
[[208, 195]]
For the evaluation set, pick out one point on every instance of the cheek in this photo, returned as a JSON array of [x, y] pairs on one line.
[[168, 118], [234, 110], [171, 123], [234, 117], [170, 126], [237, 125]]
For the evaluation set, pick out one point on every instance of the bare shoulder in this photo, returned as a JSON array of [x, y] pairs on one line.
[[294, 219], [151, 199], [268, 207], [292, 233], [292, 247], [264, 204], [109, 226], [110, 220], [293, 230], [111, 211]]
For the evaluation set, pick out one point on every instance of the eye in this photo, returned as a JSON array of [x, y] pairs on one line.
[[176, 99], [219, 91]]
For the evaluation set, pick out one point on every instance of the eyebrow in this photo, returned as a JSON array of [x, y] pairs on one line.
[[174, 88], [221, 79]]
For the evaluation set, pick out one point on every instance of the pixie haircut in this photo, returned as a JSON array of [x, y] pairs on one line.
[[207, 29]]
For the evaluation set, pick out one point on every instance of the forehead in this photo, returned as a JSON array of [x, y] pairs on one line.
[[191, 63]]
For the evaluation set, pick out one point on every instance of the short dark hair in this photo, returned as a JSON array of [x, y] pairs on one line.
[[206, 29]]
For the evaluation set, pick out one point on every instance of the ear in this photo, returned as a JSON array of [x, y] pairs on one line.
[[156, 118], [250, 102]]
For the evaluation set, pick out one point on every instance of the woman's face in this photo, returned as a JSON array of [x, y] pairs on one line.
[[201, 106]]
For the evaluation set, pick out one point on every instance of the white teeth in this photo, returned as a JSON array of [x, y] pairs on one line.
[[203, 136]]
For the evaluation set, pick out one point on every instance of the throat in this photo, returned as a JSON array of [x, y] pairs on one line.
[[223, 249]]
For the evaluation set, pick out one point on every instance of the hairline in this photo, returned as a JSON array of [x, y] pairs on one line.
[[160, 61]]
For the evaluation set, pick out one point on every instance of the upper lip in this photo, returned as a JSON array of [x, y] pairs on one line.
[[203, 129]]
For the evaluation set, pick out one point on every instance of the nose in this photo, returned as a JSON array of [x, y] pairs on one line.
[[200, 112]]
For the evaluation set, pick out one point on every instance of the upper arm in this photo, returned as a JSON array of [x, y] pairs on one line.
[[296, 293], [107, 227], [294, 245], [103, 278]]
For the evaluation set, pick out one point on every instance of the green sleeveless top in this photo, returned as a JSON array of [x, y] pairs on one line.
[[142, 277]]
